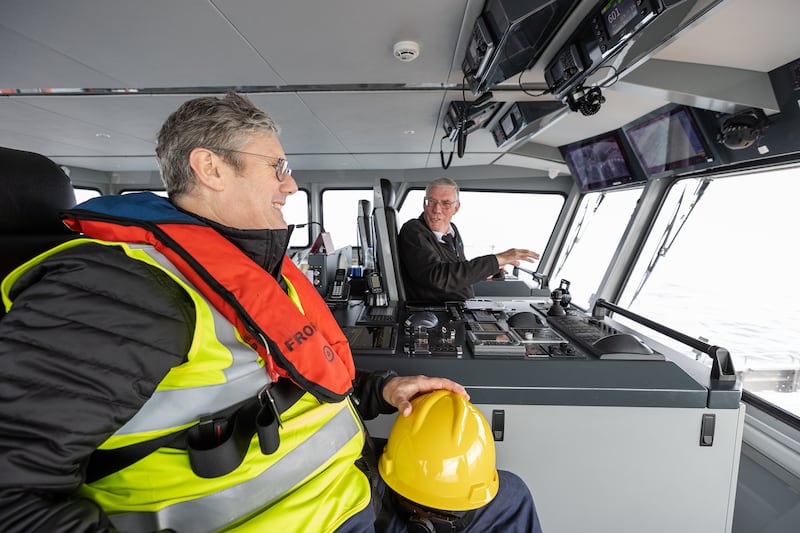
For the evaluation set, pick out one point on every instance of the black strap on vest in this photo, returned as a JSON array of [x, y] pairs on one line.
[[217, 444]]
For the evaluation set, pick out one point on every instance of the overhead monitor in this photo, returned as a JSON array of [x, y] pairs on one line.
[[668, 141], [509, 36], [599, 163]]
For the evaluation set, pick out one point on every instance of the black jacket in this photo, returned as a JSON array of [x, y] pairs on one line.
[[89, 337], [433, 272]]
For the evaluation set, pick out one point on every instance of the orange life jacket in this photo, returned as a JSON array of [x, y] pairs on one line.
[[305, 346]]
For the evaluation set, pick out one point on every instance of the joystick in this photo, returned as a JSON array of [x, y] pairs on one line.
[[566, 297], [556, 309]]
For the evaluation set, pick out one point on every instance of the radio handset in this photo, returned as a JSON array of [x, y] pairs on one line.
[[374, 283], [340, 289]]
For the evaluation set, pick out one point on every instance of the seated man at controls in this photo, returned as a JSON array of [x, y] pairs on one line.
[[432, 257]]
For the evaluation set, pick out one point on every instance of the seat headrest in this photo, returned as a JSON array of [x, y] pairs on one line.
[[33, 191], [387, 192]]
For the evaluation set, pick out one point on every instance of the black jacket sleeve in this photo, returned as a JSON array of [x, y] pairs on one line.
[[434, 273], [368, 393], [90, 335]]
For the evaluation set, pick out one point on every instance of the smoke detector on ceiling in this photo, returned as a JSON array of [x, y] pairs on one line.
[[406, 50]]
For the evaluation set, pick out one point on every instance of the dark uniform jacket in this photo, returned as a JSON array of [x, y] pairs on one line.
[[435, 271]]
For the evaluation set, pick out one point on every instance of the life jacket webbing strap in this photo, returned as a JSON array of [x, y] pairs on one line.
[[220, 509], [242, 421]]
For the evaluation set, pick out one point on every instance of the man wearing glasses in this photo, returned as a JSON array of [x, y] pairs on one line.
[[432, 257], [172, 370]]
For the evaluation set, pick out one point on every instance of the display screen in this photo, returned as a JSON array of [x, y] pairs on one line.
[[370, 338], [668, 141], [508, 125], [598, 163], [493, 338], [617, 14]]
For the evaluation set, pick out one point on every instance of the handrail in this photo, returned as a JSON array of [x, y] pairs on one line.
[[722, 364], [541, 278]]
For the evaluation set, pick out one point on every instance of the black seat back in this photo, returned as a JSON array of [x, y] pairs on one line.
[[386, 231], [33, 191]]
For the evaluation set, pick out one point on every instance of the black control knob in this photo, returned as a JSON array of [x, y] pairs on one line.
[[556, 309]]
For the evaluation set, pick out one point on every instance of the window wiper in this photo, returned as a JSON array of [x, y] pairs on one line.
[[580, 229], [671, 231]]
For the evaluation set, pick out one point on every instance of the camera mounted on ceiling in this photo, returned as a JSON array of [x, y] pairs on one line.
[[587, 101], [743, 129]]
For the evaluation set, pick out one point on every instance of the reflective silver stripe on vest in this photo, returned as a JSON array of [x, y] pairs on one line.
[[244, 378], [226, 507]]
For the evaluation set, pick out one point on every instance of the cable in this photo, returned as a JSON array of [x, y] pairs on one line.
[[521, 88], [461, 134], [614, 80], [441, 154], [321, 228]]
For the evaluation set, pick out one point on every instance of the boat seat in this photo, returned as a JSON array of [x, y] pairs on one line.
[[33, 192], [386, 232]]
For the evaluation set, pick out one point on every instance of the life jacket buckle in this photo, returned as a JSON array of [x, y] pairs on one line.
[[268, 421], [266, 399]]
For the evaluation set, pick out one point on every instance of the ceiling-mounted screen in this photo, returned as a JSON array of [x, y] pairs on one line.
[[599, 163], [509, 37], [668, 141]]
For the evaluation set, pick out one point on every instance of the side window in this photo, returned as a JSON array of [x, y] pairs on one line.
[[82, 194], [592, 240], [340, 214], [296, 211], [492, 222]]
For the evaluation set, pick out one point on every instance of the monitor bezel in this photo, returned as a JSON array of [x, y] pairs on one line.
[[677, 166], [635, 176]]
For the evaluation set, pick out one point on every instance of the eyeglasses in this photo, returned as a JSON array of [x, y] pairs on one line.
[[446, 205], [281, 166]]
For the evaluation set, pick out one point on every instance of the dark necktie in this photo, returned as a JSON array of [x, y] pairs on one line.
[[450, 242]]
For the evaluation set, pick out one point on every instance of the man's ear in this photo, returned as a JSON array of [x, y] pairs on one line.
[[208, 168], [456, 207]]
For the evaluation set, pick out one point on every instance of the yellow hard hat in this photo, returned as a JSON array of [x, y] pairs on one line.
[[441, 455]]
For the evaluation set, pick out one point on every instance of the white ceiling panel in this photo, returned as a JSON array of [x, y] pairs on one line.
[[741, 34], [323, 162], [46, 126], [378, 122], [351, 41], [28, 64], [137, 116], [110, 163], [302, 130], [146, 43]]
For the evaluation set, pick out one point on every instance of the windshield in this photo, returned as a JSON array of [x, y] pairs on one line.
[[725, 271]]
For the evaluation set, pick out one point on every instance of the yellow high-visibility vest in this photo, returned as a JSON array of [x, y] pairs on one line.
[[310, 483]]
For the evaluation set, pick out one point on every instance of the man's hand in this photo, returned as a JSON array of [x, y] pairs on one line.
[[399, 390], [514, 256]]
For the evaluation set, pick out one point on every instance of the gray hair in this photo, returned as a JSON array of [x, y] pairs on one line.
[[442, 182], [207, 122]]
